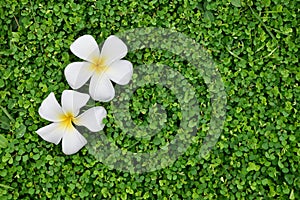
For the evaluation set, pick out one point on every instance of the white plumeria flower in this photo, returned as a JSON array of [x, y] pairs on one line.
[[100, 67], [63, 118]]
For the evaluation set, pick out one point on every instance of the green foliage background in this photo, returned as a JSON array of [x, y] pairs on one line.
[[255, 45]]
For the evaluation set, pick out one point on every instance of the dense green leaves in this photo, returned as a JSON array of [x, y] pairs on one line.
[[255, 45]]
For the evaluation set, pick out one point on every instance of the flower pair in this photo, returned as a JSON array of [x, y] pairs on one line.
[[101, 68]]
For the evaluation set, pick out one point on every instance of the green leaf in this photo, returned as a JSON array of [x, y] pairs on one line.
[[21, 130], [292, 195], [7, 114], [209, 16], [236, 3], [6, 186], [253, 167], [3, 142], [289, 178], [4, 123], [2, 83]]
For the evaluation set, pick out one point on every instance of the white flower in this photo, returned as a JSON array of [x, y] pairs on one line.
[[63, 118], [100, 67]]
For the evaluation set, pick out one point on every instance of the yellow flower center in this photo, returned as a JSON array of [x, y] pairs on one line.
[[98, 65], [67, 119]]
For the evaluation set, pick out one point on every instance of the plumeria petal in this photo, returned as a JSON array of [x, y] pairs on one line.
[[86, 48], [101, 89], [113, 49], [50, 109], [92, 118], [72, 141], [51, 133], [78, 73], [120, 72], [72, 101]]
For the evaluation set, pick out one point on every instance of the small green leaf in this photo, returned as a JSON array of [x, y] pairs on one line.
[[292, 196], [6, 186], [289, 178], [236, 3], [1, 83], [21, 130], [15, 37], [209, 16], [4, 123], [3, 142], [36, 156], [253, 166], [7, 114]]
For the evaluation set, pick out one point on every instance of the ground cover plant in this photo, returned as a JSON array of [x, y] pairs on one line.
[[254, 45]]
